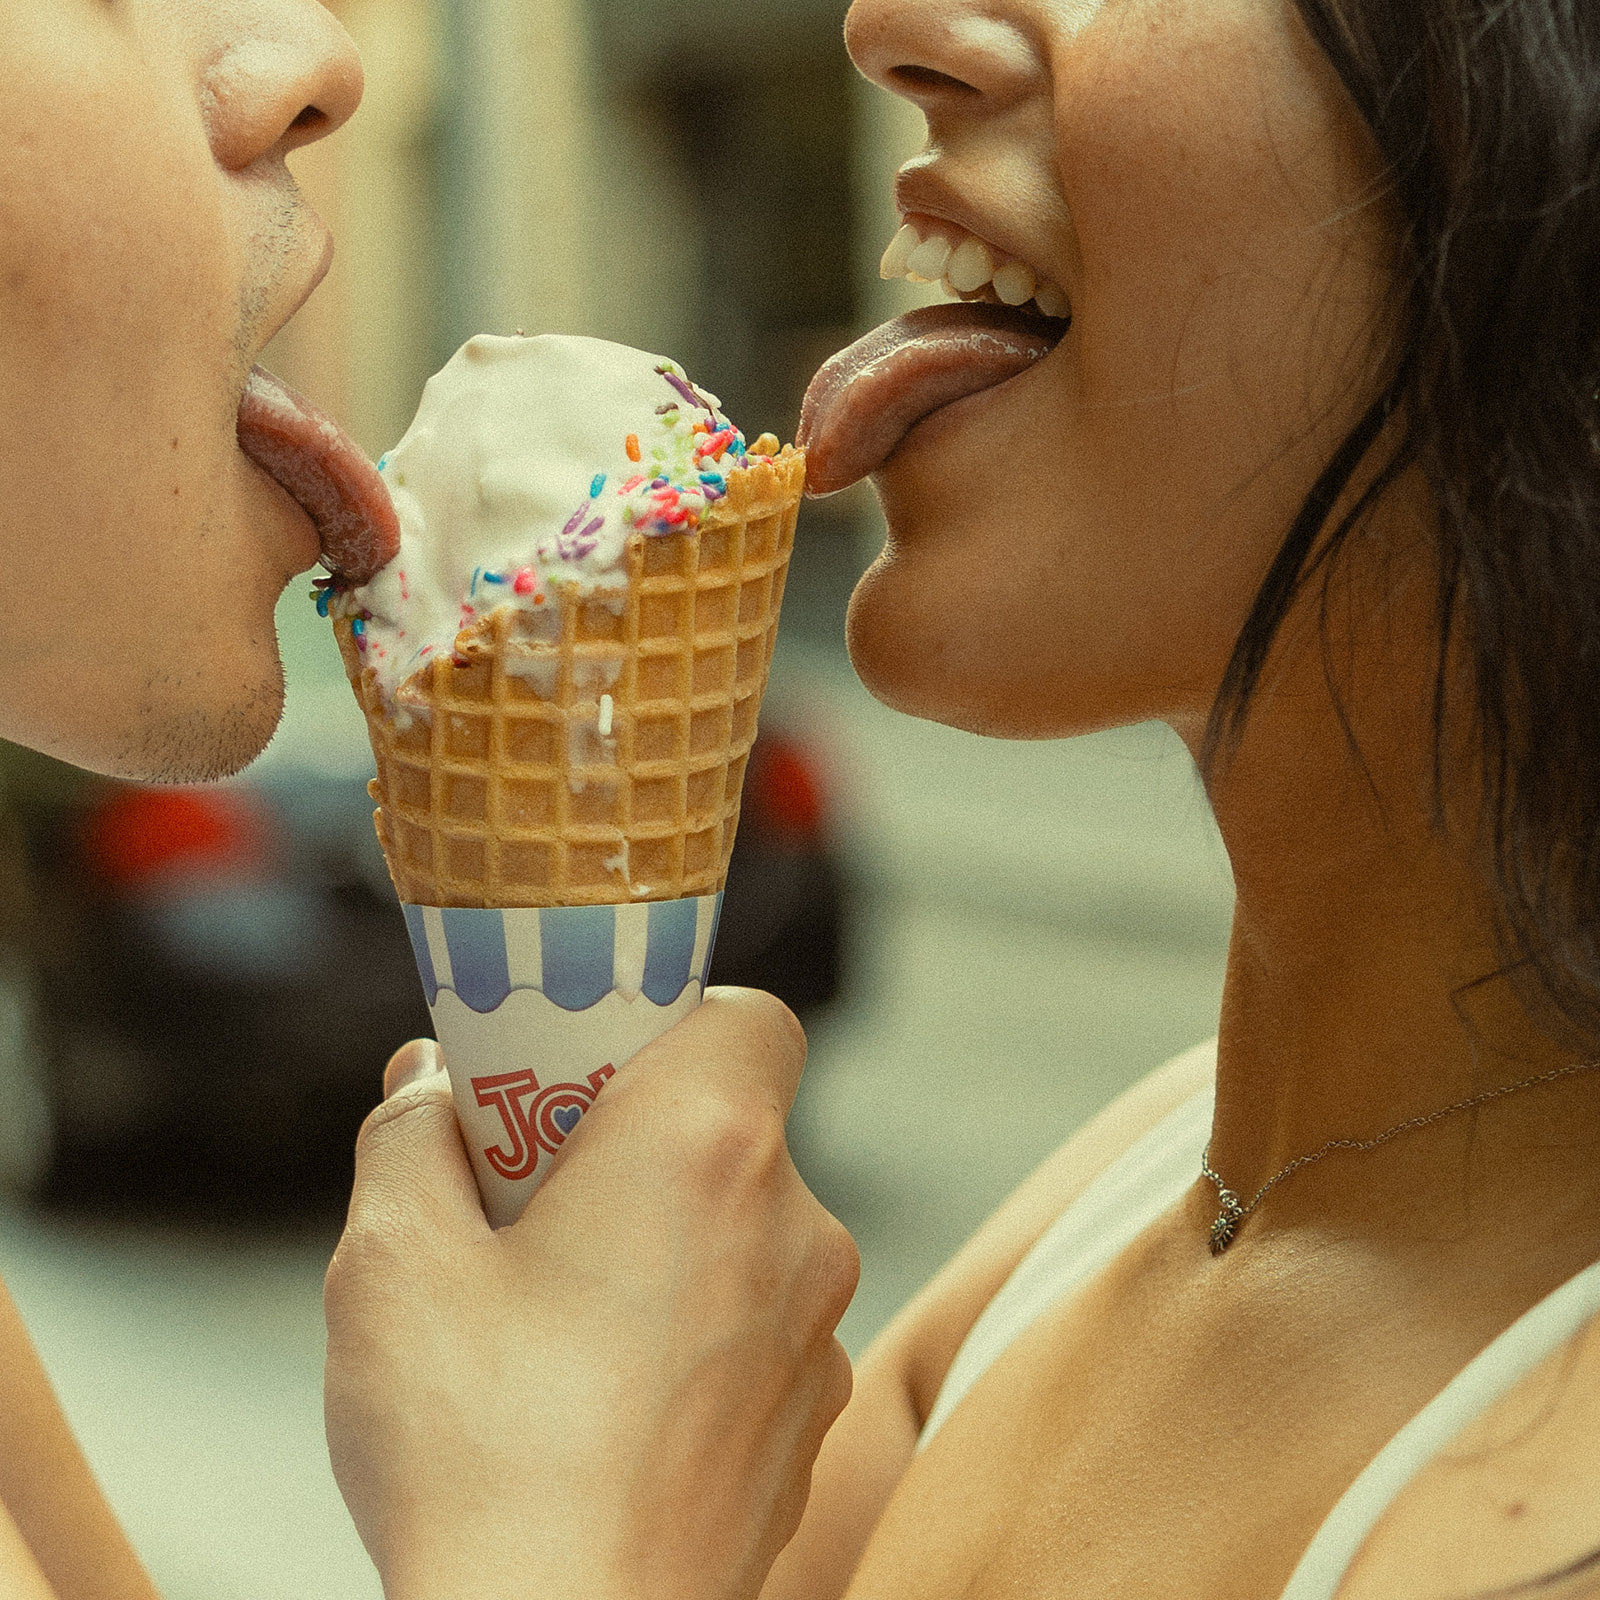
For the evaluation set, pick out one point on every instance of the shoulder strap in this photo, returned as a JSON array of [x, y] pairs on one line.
[[1496, 1369], [1118, 1206]]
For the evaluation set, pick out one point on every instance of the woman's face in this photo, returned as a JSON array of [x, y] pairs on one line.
[[1079, 545], [151, 242]]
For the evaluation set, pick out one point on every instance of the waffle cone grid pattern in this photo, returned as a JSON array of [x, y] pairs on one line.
[[495, 786]]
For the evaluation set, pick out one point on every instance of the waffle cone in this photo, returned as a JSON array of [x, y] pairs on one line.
[[495, 786]]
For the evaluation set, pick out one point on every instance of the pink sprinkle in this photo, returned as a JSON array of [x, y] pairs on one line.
[[632, 483], [525, 583], [715, 444], [405, 593]]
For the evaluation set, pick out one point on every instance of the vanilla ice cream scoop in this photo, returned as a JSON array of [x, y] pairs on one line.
[[530, 465]]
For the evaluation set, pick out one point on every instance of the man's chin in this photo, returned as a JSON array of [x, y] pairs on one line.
[[198, 744]]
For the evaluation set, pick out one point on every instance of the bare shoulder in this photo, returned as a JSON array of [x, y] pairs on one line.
[[1515, 1498], [924, 1338], [58, 1537], [20, 1577], [897, 1380]]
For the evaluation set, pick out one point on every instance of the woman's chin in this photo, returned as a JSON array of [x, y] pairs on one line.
[[977, 662], [910, 657]]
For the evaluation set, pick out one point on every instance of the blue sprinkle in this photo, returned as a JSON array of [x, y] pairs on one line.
[[494, 577], [324, 596], [476, 571], [358, 627], [383, 461], [711, 477], [598, 484]]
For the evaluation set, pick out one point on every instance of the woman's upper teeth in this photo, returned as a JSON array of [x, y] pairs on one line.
[[966, 266]]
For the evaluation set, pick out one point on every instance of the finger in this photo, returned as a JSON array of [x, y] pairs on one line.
[[409, 1063], [409, 1157], [743, 1043]]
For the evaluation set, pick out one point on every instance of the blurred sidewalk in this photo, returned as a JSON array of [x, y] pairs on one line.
[[1036, 926]]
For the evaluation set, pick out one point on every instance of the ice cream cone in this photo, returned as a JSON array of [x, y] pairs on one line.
[[562, 708], [591, 753]]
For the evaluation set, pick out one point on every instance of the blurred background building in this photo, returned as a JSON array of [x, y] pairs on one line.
[[1023, 929]]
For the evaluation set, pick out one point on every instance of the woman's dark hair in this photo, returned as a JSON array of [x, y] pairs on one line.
[[1487, 117]]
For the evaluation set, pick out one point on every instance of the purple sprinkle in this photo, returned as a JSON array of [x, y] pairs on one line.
[[658, 483], [576, 519], [685, 389], [593, 528]]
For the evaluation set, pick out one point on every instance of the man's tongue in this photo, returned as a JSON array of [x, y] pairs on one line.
[[868, 398], [313, 458]]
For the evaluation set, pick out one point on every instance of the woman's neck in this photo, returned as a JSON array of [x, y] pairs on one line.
[[1363, 982]]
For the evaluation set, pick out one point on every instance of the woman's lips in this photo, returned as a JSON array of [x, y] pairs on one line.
[[323, 468], [869, 397]]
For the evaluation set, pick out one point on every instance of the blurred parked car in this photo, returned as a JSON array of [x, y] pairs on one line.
[[213, 977]]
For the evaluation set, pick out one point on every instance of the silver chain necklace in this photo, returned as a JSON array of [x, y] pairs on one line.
[[1232, 1214]]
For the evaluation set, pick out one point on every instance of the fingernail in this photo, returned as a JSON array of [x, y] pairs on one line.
[[410, 1064]]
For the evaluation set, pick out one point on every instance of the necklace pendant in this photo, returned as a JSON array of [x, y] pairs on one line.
[[1226, 1227]]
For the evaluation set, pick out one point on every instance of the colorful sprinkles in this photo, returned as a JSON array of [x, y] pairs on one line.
[[683, 463]]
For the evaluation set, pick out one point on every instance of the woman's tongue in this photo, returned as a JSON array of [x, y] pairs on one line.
[[318, 463], [869, 397]]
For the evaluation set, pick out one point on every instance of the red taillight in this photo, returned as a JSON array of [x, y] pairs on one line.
[[138, 836], [785, 789]]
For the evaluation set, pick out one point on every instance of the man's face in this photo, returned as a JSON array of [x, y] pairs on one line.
[[151, 242]]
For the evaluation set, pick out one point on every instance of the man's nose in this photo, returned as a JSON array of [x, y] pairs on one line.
[[287, 79], [947, 56]]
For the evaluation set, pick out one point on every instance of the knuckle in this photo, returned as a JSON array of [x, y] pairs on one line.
[[381, 1258], [839, 1382], [777, 1028], [394, 1113], [344, 1283], [785, 1025], [837, 1266], [388, 1194], [782, 1025], [731, 1144]]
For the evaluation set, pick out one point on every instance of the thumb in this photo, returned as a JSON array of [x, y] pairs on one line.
[[410, 1163]]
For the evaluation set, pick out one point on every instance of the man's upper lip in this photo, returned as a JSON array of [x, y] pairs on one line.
[[313, 282]]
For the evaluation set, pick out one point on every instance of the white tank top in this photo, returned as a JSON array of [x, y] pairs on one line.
[[1124, 1200]]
